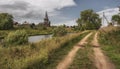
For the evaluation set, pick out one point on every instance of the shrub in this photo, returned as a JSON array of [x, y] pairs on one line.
[[18, 37], [60, 31]]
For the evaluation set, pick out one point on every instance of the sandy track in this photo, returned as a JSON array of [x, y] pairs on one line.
[[101, 60], [64, 64]]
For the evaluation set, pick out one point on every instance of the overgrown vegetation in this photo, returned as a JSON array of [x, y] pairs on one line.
[[109, 38], [60, 31], [32, 55], [57, 55], [4, 33], [18, 37]]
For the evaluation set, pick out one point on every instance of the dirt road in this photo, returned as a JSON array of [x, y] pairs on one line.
[[101, 60], [64, 64]]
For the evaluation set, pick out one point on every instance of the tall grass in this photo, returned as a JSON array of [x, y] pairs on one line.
[[4, 33], [17, 37], [60, 53], [109, 39], [23, 57]]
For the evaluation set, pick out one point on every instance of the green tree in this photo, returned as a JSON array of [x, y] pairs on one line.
[[89, 20], [116, 18], [6, 21]]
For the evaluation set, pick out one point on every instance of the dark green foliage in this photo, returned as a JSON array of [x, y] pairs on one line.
[[32, 26], [116, 18], [60, 31], [6, 21], [17, 37], [89, 20]]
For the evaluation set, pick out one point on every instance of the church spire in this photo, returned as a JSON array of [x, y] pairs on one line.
[[46, 15], [46, 20]]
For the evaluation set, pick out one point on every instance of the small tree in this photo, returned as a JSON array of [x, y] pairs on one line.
[[6, 21], [116, 18], [32, 25], [18, 37]]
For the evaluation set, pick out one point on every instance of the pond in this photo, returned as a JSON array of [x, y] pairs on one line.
[[37, 38]]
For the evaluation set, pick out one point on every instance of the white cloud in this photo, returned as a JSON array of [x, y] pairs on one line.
[[68, 23], [108, 13], [49, 5], [33, 9]]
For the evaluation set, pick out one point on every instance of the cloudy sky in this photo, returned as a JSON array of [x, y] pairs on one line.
[[59, 11]]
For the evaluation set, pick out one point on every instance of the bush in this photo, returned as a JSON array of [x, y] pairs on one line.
[[60, 31], [18, 37]]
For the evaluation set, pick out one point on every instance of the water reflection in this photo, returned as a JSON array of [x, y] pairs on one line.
[[33, 39]]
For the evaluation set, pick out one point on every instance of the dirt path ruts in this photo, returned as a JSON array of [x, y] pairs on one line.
[[101, 60], [64, 64]]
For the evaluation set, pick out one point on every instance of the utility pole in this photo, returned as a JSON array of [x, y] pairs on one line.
[[104, 17], [119, 10]]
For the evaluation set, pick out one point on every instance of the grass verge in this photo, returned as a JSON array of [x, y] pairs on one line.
[[110, 44], [57, 55], [37, 55]]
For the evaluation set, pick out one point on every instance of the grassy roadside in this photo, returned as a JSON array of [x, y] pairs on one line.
[[110, 44], [57, 55], [83, 58], [113, 52], [32, 56]]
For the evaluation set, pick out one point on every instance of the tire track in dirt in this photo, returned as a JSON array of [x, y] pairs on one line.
[[64, 64], [101, 61]]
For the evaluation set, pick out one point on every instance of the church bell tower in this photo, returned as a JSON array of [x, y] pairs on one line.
[[46, 20]]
